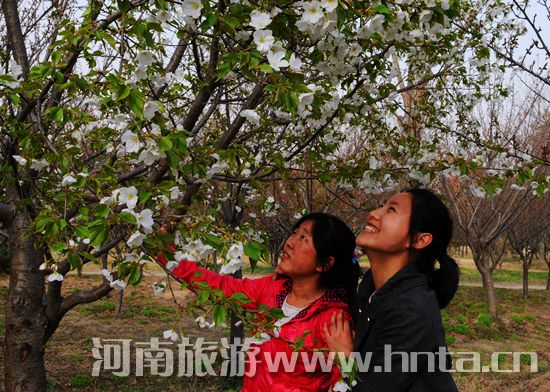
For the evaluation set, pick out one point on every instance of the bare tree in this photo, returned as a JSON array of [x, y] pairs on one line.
[[526, 234]]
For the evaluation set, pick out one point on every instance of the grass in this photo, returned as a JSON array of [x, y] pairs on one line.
[[80, 380], [472, 275]]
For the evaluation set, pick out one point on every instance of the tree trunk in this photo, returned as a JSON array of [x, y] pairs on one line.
[[489, 286], [119, 303], [525, 277], [25, 313], [548, 279]]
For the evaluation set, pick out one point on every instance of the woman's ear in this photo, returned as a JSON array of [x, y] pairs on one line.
[[422, 240], [328, 265]]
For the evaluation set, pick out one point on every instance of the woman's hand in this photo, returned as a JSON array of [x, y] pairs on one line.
[[340, 335]]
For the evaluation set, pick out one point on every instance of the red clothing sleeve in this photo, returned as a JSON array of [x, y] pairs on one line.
[[254, 289]]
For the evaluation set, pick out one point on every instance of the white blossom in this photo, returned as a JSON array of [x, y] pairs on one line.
[[517, 187], [159, 288], [329, 5], [118, 284], [16, 69], [203, 323], [19, 159], [236, 251], [145, 58], [55, 276], [259, 20], [340, 386], [131, 141], [171, 335], [136, 239], [477, 191], [216, 168], [171, 265], [251, 116], [261, 338], [68, 180], [192, 8], [312, 12], [295, 63], [38, 165], [175, 193], [231, 267], [128, 196], [242, 35], [276, 60], [145, 219], [149, 109], [264, 40], [107, 275]]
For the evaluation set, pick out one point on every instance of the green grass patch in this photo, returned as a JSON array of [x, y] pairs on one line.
[[149, 312], [462, 329], [472, 275], [77, 357], [80, 380], [484, 320], [450, 340], [165, 309]]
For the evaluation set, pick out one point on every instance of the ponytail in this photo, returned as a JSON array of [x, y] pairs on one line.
[[429, 215], [445, 280]]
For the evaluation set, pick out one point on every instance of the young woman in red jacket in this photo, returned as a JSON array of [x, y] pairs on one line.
[[316, 278], [399, 335]]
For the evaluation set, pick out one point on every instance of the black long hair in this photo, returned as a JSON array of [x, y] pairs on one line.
[[333, 238], [430, 215]]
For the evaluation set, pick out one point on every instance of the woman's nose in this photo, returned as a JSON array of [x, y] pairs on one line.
[[374, 214], [289, 243]]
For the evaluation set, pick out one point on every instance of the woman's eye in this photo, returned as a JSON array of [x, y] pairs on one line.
[[391, 209], [302, 237]]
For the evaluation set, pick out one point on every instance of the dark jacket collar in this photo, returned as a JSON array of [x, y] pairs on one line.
[[407, 278]]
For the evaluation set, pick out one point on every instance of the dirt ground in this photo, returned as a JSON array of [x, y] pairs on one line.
[[524, 326]]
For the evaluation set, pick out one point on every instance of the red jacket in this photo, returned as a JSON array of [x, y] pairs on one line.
[[271, 292]]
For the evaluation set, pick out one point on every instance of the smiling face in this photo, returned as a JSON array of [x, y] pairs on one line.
[[387, 229], [299, 257]]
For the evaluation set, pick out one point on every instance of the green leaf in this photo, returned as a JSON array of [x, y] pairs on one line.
[[165, 144], [203, 296], [123, 92], [253, 250], [241, 297], [210, 21], [101, 211], [276, 313], [220, 314], [75, 261], [58, 114], [383, 9], [213, 240], [82, 232], [128, 217], [135, 101], [135, 277], [59, 247]]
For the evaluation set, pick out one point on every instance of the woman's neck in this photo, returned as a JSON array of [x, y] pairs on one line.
[[304, 291], [383, 267]]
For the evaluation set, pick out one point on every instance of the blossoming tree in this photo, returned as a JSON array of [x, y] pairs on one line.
[[120, 117]]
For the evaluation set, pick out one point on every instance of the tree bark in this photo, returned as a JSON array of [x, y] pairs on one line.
[[525, 277], [489, 287], [25, 312]]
